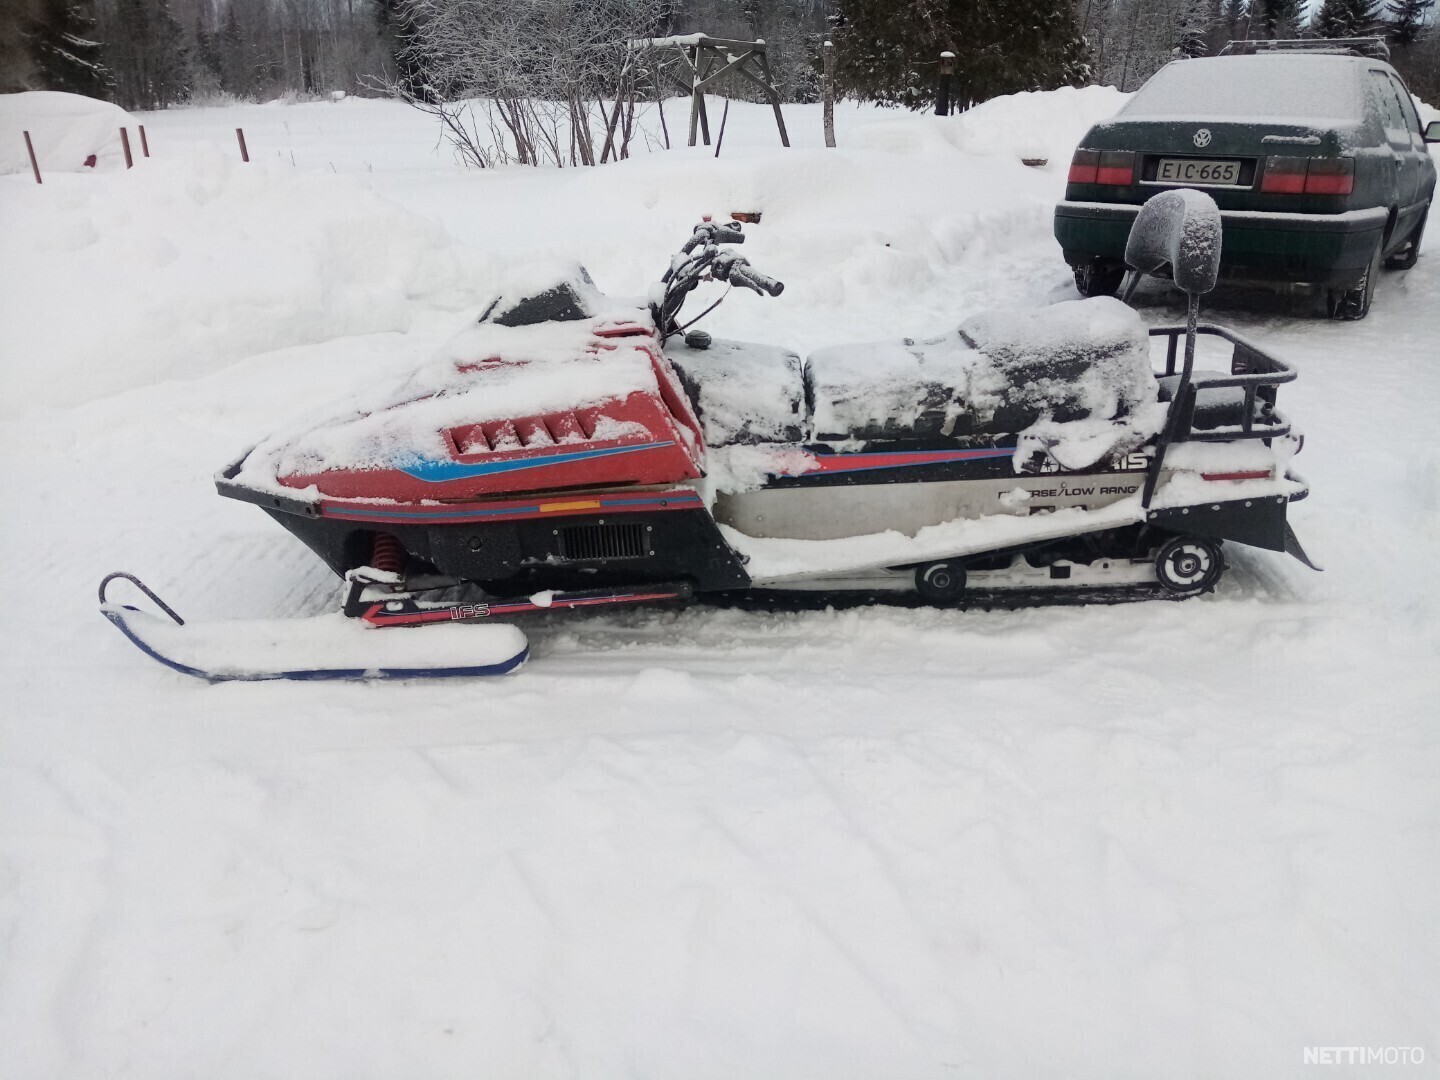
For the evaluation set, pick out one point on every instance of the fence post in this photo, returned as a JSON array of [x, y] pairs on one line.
[[828, 52], [125, 145], [144, 143], [947, 74], [240, 135], [33, 163]]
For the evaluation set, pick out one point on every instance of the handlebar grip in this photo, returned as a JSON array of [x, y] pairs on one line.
[[728, 234], [751, 278]]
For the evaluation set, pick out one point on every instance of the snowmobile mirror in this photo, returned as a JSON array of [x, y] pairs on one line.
[[1179, 228]]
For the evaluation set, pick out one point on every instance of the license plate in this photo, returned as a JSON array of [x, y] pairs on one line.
[[1198, 172]]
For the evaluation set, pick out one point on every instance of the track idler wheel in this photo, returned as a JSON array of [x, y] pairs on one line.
[[940, 582], [1188, 564]]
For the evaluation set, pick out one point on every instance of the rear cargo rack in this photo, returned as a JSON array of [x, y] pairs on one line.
[[1256, 372], [1372, 47]]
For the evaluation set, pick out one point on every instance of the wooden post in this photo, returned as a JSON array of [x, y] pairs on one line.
[[33, 163], [723, 117], [125, 145], [144, 143], [947, 75], [773, 96], [828, 52], [244, 153]]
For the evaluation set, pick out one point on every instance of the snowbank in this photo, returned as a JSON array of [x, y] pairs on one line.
[[178, 269], [66, 130], [1037, 124]]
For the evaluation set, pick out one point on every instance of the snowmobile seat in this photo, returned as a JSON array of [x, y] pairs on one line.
[[742, 392], [997, 374]]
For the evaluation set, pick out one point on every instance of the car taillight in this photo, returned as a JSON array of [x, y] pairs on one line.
[[1308, 176], [1330, 176], [1116, 167], [1113, 167], [1083, 166]]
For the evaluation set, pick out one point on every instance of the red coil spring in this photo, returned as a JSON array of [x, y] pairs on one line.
[[388, 554]]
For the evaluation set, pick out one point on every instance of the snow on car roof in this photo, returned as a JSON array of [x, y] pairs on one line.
[[1308, 88]]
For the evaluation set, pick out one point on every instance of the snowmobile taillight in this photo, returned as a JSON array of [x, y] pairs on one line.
[[1308, 176], [1113, 167], [1254, 474]]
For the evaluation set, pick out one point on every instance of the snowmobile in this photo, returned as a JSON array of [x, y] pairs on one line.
[[573, 450]]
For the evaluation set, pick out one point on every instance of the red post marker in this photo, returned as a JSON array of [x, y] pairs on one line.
[[144, 143], [244, 153], [125, 143], [33, 163]]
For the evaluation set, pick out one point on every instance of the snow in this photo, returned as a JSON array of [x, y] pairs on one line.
[[65, 130], [1150, 840], [745, 392], [546, 369], [1323, 90], [1180, 229], [1072, 377]]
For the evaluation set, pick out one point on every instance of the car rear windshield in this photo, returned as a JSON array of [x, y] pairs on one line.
[[1304, 89]]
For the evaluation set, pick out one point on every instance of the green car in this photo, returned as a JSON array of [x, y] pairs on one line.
[[1315, 157]]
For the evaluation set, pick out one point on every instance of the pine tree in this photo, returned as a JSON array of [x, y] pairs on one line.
[[1408, 19], [1235, 14], [889, 51], [149, 55], [1346, 18], [1279, 17], [63, 48], [1192, 34]]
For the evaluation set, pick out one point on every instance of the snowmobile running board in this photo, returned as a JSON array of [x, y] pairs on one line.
[[376, 601], [322, 647]]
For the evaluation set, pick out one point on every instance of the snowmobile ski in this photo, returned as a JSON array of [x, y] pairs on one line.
[[322, 647]]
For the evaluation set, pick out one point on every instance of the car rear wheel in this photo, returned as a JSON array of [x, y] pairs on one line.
[[1354, 302], [1406, 257], [1098, 278]]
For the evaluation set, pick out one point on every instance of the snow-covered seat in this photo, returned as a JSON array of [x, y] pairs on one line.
[[742, 392], [998, 373]]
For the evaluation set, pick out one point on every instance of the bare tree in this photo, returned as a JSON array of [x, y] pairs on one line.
[[536, 70]]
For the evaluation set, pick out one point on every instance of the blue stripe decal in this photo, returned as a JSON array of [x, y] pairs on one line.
[[438, 472]]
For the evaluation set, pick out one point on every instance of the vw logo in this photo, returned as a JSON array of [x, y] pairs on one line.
[[1202, 137]]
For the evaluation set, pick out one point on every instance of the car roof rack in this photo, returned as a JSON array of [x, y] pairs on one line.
[[1373, 47]]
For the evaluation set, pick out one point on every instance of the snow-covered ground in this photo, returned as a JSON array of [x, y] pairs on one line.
[[1158, 840]]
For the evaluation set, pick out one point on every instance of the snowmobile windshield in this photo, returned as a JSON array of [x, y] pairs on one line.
[[1304, 87], [567, 299]]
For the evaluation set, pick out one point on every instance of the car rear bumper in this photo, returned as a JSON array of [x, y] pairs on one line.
[[1326, 249]]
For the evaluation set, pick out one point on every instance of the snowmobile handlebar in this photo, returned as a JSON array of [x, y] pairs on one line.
[[711, 232], [739, 272], [702, 255]]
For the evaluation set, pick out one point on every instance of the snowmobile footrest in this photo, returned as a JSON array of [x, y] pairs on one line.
[[378, 609]]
